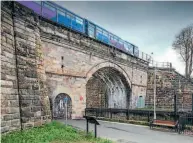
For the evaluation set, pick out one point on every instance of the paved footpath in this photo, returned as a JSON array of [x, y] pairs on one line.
[[128, 133]]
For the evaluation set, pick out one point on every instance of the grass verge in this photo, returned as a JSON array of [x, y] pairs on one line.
[[53, 132]]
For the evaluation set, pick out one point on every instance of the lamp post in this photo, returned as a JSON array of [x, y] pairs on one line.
[[154, 95]]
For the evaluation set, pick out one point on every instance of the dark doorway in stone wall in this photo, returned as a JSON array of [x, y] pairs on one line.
[[59, 107], [108, 88]]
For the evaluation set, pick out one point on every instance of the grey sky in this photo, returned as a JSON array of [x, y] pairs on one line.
[[151, 26]]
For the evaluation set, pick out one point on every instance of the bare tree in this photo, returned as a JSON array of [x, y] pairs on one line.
[[183, 44]]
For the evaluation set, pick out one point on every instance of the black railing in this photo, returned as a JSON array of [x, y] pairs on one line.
[[186, 124], [131, 114], [185, 119]]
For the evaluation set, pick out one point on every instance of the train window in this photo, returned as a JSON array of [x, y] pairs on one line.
[[105, 33], [79, 20], [61, 13], [130, 48], [136, 51], [49, 11], [36, 7], [73, 17], [111, 36], [126, 46], [91, 32], [115, 38], [49, 7], [99, 30], [120, 41], [91, 26], [68, 16], [61, 17]]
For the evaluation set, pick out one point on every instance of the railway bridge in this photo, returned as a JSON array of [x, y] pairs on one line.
[[43, 63]]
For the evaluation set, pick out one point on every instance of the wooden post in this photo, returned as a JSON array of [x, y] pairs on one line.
[[95, 130], [148, 116], [128, 114], [87, 126]]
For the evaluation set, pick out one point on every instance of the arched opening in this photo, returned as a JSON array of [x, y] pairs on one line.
[[61, 102], [107, 88]]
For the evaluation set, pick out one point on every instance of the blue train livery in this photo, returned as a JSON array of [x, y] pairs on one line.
[[56, 13]]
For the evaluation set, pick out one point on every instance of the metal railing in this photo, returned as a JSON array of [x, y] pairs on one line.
[[160, 64], [144, 56], [186, 124], [129, 114]]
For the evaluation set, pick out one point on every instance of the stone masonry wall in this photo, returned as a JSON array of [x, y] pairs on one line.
[[22, 33], [28, 47], [168, 83], [10, 116]]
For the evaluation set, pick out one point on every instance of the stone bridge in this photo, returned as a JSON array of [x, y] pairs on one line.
[[42, 63]]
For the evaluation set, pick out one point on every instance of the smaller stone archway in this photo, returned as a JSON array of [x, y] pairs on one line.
[[59, 107]]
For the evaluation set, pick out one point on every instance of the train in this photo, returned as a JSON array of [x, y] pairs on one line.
[[61, 15]]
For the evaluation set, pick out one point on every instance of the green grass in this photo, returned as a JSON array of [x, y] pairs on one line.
[[53, 132]]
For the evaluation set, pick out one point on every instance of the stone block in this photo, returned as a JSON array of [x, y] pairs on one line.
[[26, 103], [4, 110], [37, 114], [25, 120], [38, 123], [13, 110], [5, 129], [28, 125], [10, 77], [36, 109], [13, 103], [5, 83], [36, 102], [7, 117], [3, 123], [26, 112], [8, 90], [15, 123]]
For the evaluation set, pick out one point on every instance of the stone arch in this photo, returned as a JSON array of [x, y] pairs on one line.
[[59, 107], [107, 64], [107, 86], [60, 90]]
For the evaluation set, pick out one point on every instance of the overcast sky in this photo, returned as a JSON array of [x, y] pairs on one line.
[[151, 26]]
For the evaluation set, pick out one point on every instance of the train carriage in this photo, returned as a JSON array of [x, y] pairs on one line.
[[56, 13]]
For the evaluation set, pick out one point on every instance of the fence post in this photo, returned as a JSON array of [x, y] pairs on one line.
[[96, 112], [175, 107], [111, 113], [127, 114]]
